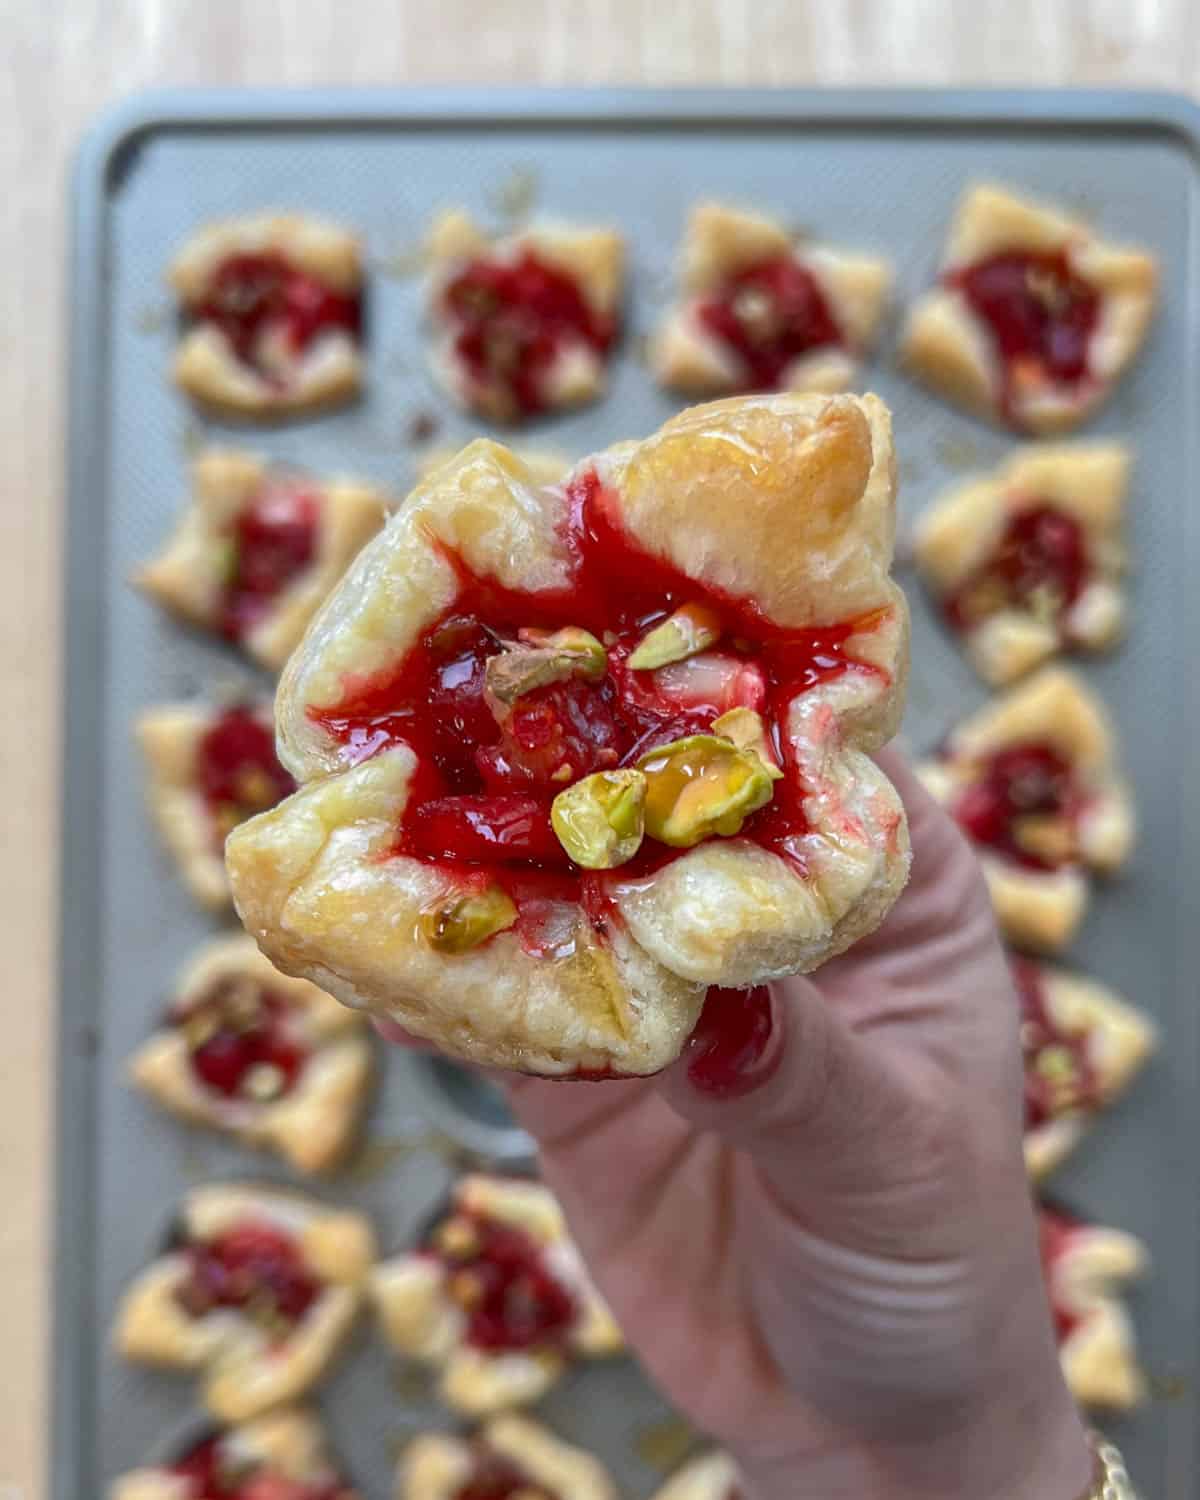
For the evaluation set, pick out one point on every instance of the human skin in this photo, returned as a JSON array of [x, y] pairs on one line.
[[815, 1229]]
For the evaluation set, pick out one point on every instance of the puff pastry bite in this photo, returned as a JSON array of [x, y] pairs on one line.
[[1027, 561], [269, 1060], [256, 1293], [509, 1458], [1082, 1046], [1085, 1267], [1034, 317], [523, 324], [760, 310], [208, 768], [282, 1456], [272, 305], [713, 1476], [1031, 780], [497, 1299], [572, 753], [258, 549]]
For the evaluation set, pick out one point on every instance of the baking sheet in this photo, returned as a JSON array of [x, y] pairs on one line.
[[876, 170]]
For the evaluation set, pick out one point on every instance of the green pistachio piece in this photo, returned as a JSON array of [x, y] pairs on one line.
[[700, 786], [588, 657], [460, 921], [690, 630], [540, 658], [745, 729], [599, 820]]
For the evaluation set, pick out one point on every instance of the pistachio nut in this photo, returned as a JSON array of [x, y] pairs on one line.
[[700, 786], [690, 630], [548, 657], [599, 820], [745, 729], [460, 921]]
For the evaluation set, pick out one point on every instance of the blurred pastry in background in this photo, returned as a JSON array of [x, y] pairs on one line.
[[1027, 561], [1031, 780], [524, 323], [269, 1060], [272, 305], [509, 1458], [1034, 317], [763, 309], [712, 1476]]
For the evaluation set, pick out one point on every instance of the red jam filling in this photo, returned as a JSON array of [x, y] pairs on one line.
[[237, 771], [214, 1472], [724, 1054], [495, 1477], [1019, 792], [1040, 312], [273, 541], [1055, 1230], [1059, 1075], [240, 1040], [511, 321], [500, 1277], [1040, 565], [254, 1267], [481, 805], [253, 296], [769, 315]]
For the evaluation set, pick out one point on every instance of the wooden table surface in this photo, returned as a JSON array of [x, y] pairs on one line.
[[64, 60]]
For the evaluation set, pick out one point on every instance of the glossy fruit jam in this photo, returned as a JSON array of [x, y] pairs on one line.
[[1055, 1230], [1059, 1075], [251, 297], [1039, 564], [513, 318], [500, 1277], [1023, 805], [237, 771], [1040, 312], [216, 1470], [242, 1040], [481, 802], [770, 314], [254, 1267], [496, 1477], [273, 541]]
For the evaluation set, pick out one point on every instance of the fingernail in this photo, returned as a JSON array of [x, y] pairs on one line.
[[726, 1055]]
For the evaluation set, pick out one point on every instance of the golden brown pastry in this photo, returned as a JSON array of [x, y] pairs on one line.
[[1027, 561], [1034, 317], [713, 1476], [256, 1293], [498, 1299], [258, 549], [1082, 1046], [273, 304], [1085, 1266], [1031, 780], [509, 1458], [761, 310], [525, 323], [571, 753], [268, 1060]]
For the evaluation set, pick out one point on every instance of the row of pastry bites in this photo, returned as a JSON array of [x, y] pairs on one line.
[[1031, 322]]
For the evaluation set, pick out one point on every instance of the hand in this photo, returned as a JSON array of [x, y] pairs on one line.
[[815, 1228]]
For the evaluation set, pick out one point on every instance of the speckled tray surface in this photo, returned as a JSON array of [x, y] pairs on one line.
[[880, 171]]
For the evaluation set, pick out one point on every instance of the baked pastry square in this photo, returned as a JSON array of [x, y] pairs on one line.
[[257, 550], [571, 753], [524, 323], [1085, 1267], [1034, 318], [209, 767], [1032, 782], [1082, 1046], [1027, 561], [273, 312], [713, 1476], [761, 310], [282, 1456], [269, 1060], [256, 1293], [509, 1458], [497, 1299]]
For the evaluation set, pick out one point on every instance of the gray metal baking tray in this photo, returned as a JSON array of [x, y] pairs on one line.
[[872, 169]]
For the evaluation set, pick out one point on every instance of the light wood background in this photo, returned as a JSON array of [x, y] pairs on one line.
[[63, 60]]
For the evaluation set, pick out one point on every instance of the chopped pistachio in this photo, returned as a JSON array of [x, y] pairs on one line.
[[458, 921], [1056, 1064], [599, 820], [543, 657], [745, 729], [264, 1081], [700, 786], [588, 656], [690, 630]]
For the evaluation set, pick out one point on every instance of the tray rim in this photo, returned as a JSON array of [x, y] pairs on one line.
[[106, 145]]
